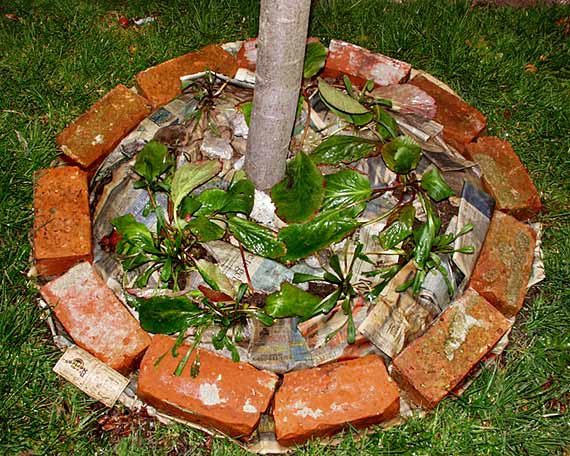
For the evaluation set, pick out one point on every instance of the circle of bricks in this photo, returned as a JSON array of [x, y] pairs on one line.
[[429, 367]]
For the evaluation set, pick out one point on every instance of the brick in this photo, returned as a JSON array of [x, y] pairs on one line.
[[225, 395], [323, 400], [247, 55], [360, 64], [95, 318], [94, 134], [461, 122], [62, 224], [505, 177], [505, 263], [433, 365], [161, 83]]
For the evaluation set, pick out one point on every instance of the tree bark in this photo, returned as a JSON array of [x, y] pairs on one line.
[[283, 27]]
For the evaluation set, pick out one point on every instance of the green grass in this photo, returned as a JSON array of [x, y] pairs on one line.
[[62, 56]]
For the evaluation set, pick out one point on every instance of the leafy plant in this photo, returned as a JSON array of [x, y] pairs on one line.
[[222, 306]]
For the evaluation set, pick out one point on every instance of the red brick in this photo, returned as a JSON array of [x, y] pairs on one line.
[[461, 122], [247, 55], [225, 395], [505, 263], [431, 366], [505, 177], [94, 134], [95, 318], [62, 224], [361, 64], [323, 400], [161, 83]]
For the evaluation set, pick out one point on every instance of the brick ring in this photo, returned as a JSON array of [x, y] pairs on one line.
[[233, 398]]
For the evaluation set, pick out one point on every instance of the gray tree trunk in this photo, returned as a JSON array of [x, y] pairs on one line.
[[283, 27]]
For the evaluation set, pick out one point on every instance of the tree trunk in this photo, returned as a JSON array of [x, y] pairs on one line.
[[283, 27]]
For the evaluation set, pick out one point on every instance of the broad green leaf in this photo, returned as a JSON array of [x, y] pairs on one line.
[[204, 229], [435, 186], [400, 229], [386, 125], [358, 120], [402, 154], [348, 189], [167, 315], [340, 100], [256, 238], [192, 175], [291, 301], [136, 237], [315, 57], [240, 197], [303, 239], [188, 206], [212, 201], [300, 194], [215, 278], [152, 160], [343, 149]]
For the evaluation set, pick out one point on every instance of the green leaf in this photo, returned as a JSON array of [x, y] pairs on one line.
[[400, 229], [212, 201], [346, 189], [215, 278], [188, 206], [303, 239], [263, 318], [291, 301], [135, 236], [340, 100], [246, 108], [152, 161], [299, 277], [343, 149], [240, 197], [358, 120], [315, 57], [204, 229], [258, 239], [300, 194], [435, 186], [386, 125], [402, 154], [192, 175], [167, 315]]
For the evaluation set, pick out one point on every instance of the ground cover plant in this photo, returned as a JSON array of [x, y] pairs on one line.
[[58, 58]]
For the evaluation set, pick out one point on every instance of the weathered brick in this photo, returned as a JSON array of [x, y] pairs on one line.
[[247, 55], [505, 177], [505, 263], [95, 318], [161, 83], [225, 395], [62, 224], [360, 64], [94, 134], [461, 122], [321, 401], [431, 366]]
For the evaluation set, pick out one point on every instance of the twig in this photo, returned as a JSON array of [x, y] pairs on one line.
[[242, 253]]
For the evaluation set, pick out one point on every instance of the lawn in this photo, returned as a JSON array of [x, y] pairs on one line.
[[58, 57]]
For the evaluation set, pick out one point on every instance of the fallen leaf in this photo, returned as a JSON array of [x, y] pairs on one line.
[[13, 17], [530, 68]]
